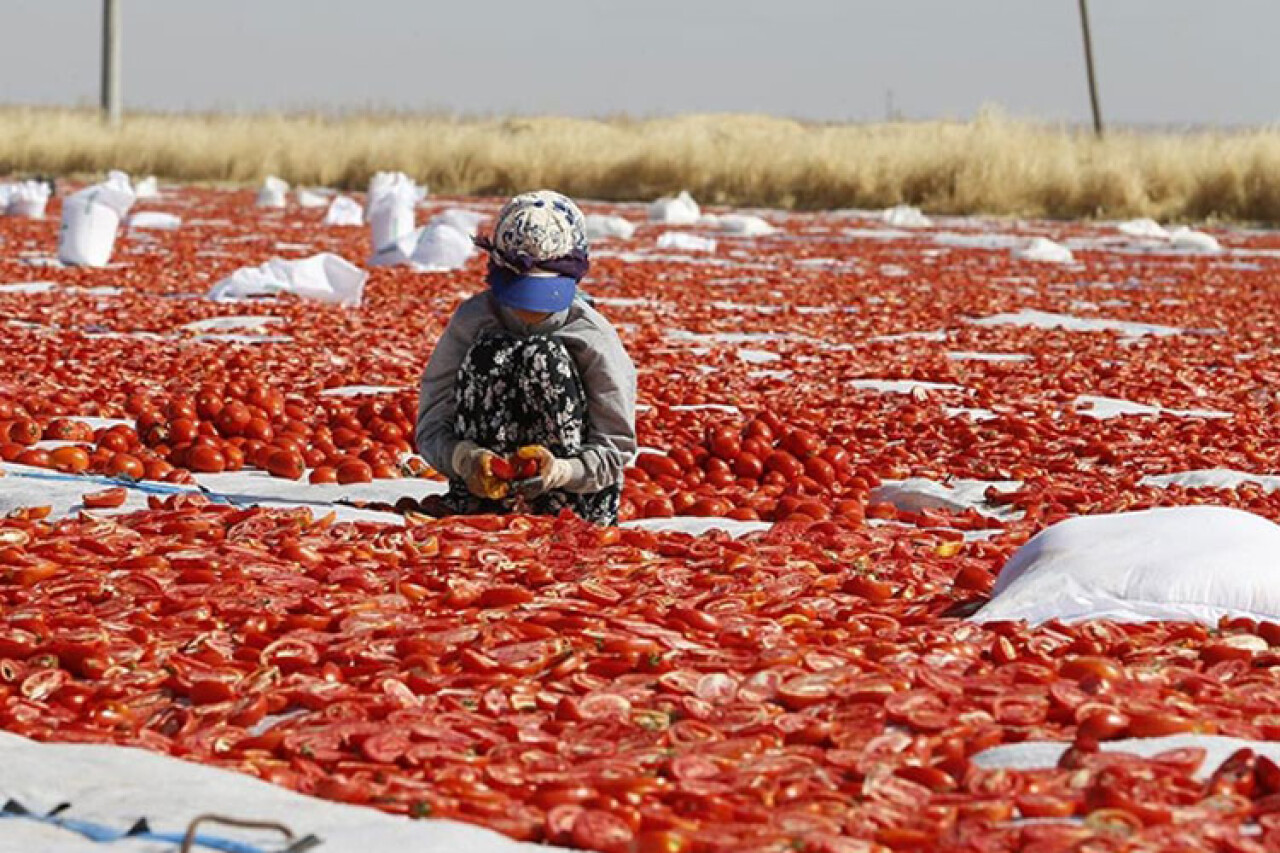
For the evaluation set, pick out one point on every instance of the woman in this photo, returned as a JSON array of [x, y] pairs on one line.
[[526, 364]]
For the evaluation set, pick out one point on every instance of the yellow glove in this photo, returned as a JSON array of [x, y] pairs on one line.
[[474, 465]]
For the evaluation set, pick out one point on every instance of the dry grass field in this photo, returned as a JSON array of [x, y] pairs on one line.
[[989, 165]]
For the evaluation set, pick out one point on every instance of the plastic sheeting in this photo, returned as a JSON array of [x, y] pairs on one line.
[[738, 225], [600, 227], [113, 787], [155, 220], [683, 242], [1036, 755], [1196, 563], [325, 277], [1044, 250], [311, 198]]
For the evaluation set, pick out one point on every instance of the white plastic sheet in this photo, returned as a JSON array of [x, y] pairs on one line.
[[90, 220], [738, 224], [311, 198], [1044, 250], [1195, 563], [1143, 229], [325, 277], [155, 220], [1038, 755], [601, 227], [26, 199], [683, 242], [1188, 240], [344, 211], [678, 210], [274, 193], [919, 493], [115, 786]]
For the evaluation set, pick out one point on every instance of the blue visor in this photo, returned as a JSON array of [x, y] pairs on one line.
[[531, 293]]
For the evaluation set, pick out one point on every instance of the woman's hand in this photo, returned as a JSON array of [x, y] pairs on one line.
[[553, 472], [474, 465]]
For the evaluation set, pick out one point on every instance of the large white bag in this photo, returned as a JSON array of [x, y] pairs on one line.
[[345, 211], [681, 210], [443, 244], [1195, 563], [274, 192], [26, 199], [325, 277], [391, 200], [90, 220]]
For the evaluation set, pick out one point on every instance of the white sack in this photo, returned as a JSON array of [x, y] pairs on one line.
[[311, 198], [683, 242], [155, 220], [390, 212], [1195, 563], [442, 247], [90, 220], [681, 210], [26, 199], [601, 227], [1045, 250], [436, 247], [273, 192], [904, 216], [344, 211], [1143, 229], [742, 225], [147, 187], [324, 277], [1189, 240]]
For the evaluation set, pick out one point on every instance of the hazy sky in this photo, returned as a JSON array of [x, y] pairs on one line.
[[1160, 61]]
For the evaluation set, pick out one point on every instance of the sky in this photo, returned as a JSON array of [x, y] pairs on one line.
[[1160, 62]]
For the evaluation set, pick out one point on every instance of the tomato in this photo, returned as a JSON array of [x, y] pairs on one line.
[[323, 474], [285, 463], [126, 466], [594, 829], [206, 460], [24, 431], [35, 457], [105, 499], [784, 464], [354, 471]]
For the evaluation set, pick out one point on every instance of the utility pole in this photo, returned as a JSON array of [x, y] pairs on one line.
[[111, 61], [1088, 64]]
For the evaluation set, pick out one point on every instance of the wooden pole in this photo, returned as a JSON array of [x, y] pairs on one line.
[[1088, 64], [111, 61]]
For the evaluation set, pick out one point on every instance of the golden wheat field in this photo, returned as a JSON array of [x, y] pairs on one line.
[[992, 164]]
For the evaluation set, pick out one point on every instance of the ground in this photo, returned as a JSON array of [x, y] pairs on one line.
[[813, 684]]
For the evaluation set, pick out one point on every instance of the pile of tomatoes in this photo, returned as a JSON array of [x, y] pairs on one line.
[[814, 687]]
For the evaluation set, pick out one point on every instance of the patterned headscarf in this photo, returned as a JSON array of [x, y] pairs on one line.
[[538, 234]]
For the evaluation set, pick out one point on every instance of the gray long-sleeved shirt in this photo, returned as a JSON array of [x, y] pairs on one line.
[[607, 373]]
